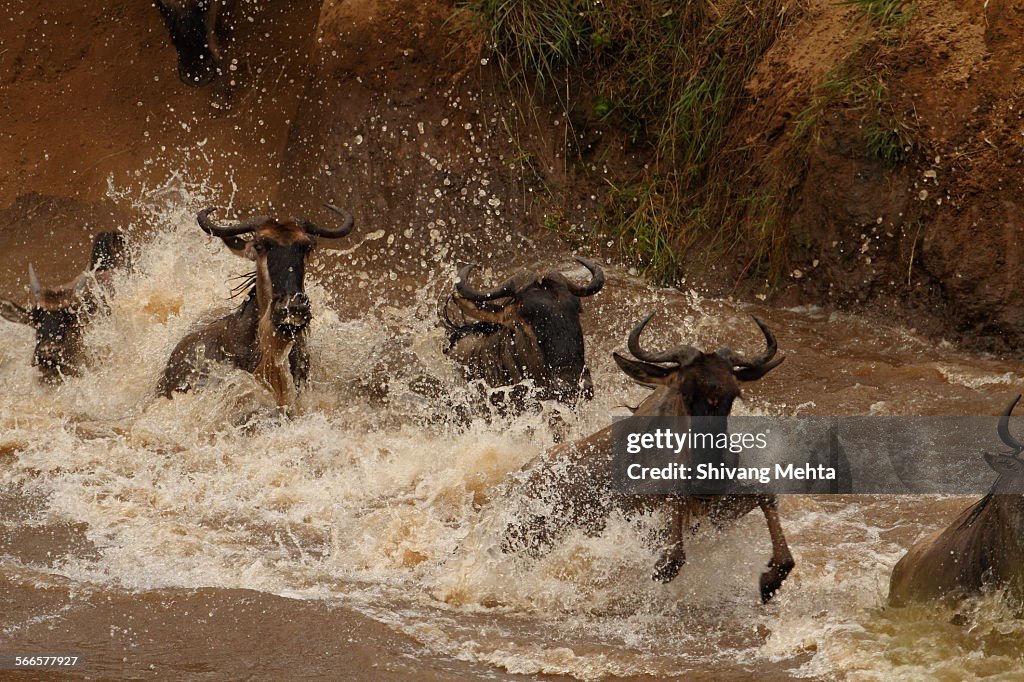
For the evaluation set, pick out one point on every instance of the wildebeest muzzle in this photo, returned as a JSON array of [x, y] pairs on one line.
[[291, 314], [57, 339]]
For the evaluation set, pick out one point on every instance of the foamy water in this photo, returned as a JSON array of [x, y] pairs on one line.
[[383, 491]]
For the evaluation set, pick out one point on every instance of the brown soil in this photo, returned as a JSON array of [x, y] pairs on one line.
[[933, 240], [390, 109]]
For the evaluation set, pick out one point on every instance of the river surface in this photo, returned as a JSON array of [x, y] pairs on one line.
[[379, 499]]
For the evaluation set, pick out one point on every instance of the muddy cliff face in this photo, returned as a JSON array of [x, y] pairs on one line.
[[396, 110], [935, 237]]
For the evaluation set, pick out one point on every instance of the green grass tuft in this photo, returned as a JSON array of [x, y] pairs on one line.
[[672, 75], [884, 13], [643, 227], [887, 136], [891, 143]]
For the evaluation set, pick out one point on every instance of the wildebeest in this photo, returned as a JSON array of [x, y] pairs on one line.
[[983, 546], [199, 30], [61, 314], [526, 328], [572, 485], [266, 334]]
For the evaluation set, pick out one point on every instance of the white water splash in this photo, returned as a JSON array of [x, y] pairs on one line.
[[373, 493]]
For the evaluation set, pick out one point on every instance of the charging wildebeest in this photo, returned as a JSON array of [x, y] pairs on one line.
[[572, 485], [983, 546], [526, 328], [266, 334], [199, 30], [61, 314]]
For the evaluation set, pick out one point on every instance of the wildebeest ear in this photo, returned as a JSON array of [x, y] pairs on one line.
[[1005, 464], [641, 372], [755, 373], [15, 313]]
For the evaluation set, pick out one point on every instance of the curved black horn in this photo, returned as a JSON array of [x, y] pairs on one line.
[[682, 355], [596, 279], [468, 292], [1004, 428], [331, 233], [771, 347], [225, 231]]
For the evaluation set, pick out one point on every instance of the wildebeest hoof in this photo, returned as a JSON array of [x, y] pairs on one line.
[[769, 586], [668, 567], [772, 579]]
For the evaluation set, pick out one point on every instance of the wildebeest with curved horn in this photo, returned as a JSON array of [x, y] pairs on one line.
[[265, 335], [60, 315], [983, 546], [571, 485], [528, 327], [198, 30]]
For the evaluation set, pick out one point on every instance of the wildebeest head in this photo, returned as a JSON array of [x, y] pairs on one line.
[[279, 248], [689, 382], [193, 26], [539, 317], [59, 315]]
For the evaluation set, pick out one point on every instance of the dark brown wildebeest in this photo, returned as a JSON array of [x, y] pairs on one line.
[[266, 334], [61, 314], [572, 485], [528, 328], [198, 30], [983, 546]]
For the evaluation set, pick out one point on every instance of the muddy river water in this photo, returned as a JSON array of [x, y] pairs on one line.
[[159, 536]]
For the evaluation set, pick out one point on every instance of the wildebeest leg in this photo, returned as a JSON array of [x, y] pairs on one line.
[[189, 364], [181, 372], [673, 556], [782, 561]]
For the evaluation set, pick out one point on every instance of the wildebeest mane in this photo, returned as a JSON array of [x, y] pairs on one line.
[[976, 511]]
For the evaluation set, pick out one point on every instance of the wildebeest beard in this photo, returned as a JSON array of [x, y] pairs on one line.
[[58, 339]]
